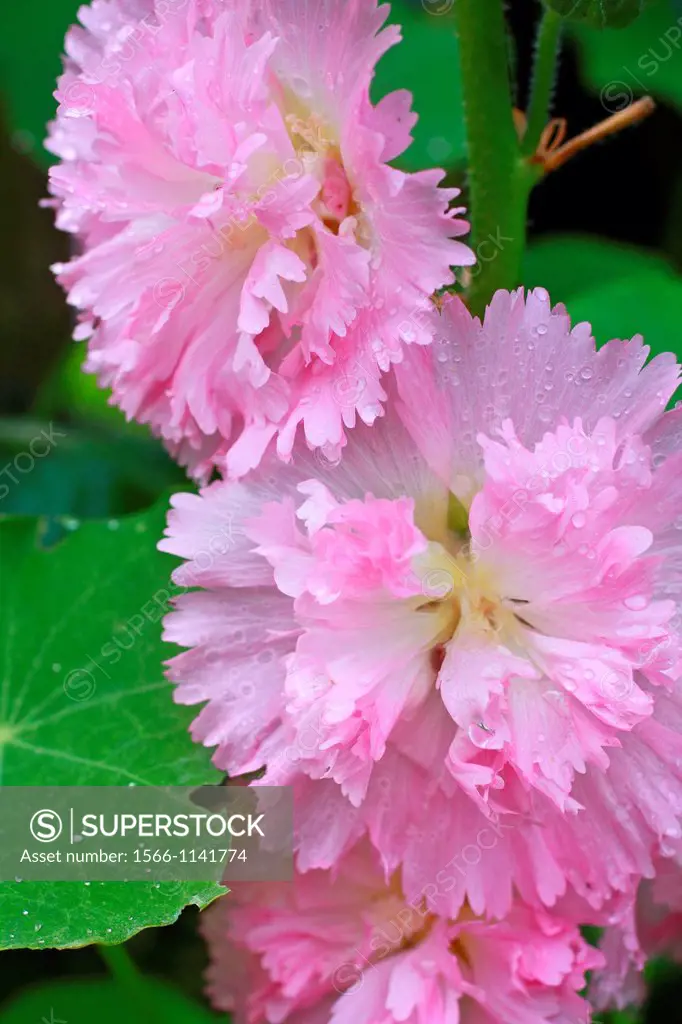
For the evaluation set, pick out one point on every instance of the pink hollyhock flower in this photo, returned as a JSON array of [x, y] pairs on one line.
[[348, 948], [250, 261], [468, 627]]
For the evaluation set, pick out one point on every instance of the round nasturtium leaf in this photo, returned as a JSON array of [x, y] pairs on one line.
[[84, 702], [599, 13]]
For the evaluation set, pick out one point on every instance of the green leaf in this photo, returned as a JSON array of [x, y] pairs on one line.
[[85, 470], [31, 44], [621, 291], [566, 264], [70, 390], [105, 1001], [427, 63], [83, 702], [599, 13], [646, 303], [644, 58]]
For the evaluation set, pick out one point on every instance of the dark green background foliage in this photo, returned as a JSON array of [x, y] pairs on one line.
[[606, 239], [599, 13]]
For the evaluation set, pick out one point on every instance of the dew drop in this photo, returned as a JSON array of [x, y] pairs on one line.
[[542, 329], [636, 603], [25, 913], [578, 520]]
